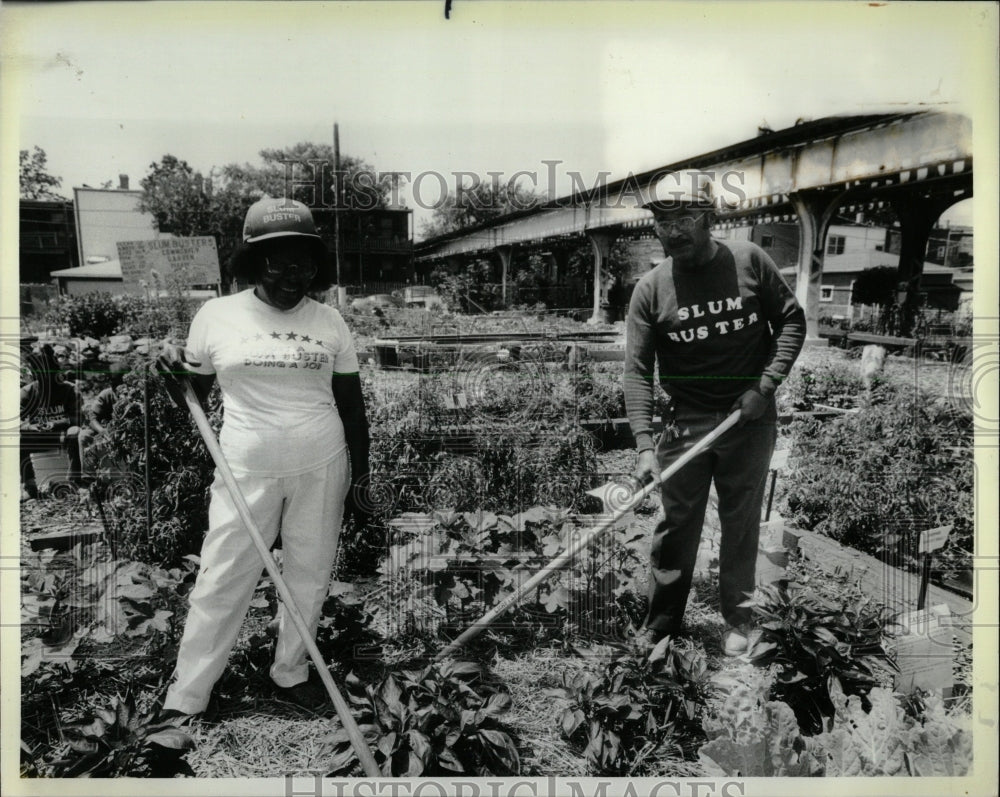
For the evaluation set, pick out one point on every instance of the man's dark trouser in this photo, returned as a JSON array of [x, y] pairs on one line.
[[738, 462]]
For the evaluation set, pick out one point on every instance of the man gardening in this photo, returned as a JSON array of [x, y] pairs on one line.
[[724, 330]]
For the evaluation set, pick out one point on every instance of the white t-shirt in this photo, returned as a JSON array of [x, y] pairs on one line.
[[275, 369]]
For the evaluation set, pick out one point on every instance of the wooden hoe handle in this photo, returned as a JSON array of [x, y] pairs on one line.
[[584, 540]]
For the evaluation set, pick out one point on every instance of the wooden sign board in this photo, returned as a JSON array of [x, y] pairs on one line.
[[159, 263], [932, 539], [925, 650]]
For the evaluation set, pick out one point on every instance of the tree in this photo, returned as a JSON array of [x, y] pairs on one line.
[[176, 195], [478, 203], [187, 203], [876, 286], [36, 182], [310, 168]]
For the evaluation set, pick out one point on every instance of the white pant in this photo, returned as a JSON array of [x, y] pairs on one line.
[[310, 508]]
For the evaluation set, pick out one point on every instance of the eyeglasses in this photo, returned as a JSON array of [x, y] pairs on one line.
[[276, 267], [684, 223]]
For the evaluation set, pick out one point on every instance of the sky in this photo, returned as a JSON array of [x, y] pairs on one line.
[[107, 89]]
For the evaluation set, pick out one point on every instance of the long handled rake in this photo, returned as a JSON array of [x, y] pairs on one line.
[[343, 711], [581, 543]]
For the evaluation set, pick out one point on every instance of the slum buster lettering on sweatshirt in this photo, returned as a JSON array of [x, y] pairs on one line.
[[715, 330]]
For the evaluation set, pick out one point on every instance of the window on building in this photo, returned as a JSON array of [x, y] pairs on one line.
[[826, 293], [879, 247], [940, 252], [835, 245], [766, 241]]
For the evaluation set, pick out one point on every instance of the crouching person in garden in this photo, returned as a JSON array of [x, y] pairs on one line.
[[295, 435], [724, 330], [51, 417]]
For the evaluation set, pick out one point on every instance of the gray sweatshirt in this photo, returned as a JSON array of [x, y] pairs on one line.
[[716, 331]]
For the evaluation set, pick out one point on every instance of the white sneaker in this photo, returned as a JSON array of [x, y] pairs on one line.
[[734, 642]]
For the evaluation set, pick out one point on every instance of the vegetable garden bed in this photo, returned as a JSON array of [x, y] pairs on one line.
[[554, 689]]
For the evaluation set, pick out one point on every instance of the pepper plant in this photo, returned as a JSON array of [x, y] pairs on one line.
[[629, 716], [435, 721], [816, 645], [122, 741]]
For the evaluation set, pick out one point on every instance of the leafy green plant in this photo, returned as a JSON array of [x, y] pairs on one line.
[[159, 316], [751, 735], [51, 680], [884, 741], [100, 314], [180, 473], [471, 290], [832, 384], [637, 711], [122, 741], [345, 621], [96, 314], [599, 395], [510, 448], [141, 600], [435, 721], [467, 562], [772, 747], [873, 480], [815, 644], [458, 558]]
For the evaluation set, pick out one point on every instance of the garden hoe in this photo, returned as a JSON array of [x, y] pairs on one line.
[[580, 544], [343, 711]]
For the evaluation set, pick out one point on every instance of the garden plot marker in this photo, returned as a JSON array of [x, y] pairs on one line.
[[581, 544], [930, 541], [365, 756]]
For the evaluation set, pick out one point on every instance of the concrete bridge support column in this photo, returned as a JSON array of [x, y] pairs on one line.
[[506, 254], [601, 241], [917, 216], [815, 209]]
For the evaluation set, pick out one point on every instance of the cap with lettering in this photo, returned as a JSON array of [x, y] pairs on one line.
[[680, 189], [273, 218]]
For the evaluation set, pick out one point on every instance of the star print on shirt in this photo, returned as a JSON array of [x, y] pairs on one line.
[[276, 335], [306, 339], [291, 336], [319, 343], [258, 336]]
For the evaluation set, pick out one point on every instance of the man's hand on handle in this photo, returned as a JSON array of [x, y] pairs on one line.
[[751, 405], [647, 468]]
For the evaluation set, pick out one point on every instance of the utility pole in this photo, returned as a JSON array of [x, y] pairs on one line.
[[341, 291]]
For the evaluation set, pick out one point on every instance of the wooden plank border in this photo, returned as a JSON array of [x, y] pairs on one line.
[[897, 589]]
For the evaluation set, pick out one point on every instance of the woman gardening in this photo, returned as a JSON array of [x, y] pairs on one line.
[[295, 435]]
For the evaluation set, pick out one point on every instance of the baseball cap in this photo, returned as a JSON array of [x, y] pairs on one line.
[[273, 218], [680, 189]]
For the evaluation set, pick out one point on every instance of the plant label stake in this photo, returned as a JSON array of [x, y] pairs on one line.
[[365, 756], [930, 541], [585, 539], [778, 461]]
